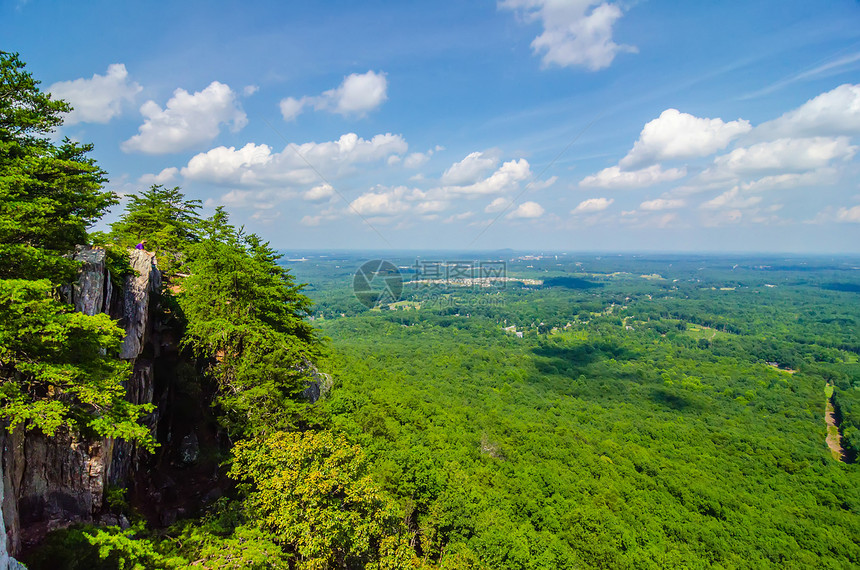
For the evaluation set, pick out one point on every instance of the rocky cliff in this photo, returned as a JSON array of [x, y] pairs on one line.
[[49, 483]]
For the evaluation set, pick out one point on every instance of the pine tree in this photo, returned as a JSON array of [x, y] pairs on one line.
[[246, 313], [165, 219], [49, 194], [58, 368]]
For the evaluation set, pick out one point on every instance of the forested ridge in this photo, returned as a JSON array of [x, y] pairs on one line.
[[626, 412]]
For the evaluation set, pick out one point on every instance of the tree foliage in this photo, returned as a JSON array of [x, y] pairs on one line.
[[49, 194], [165, 219], [312, 493], [245, 312], [58, 368], [647, 423]]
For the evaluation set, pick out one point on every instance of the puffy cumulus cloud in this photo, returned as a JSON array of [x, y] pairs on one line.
[[527, 210], [319, 193], [187, 120], [836, 112], [783, 156], [592, 205], [98, 99], [614, 177], [575, 32], [817, 177], [470, 169], [249, 90], [358, 94], [662, 204], [497, 205], [731, 199], [849, 215], [416, 159], [677, 135], [507, 178], [258, 165], [350, 148], [543, 184], [229, 165], [716, 179], [163, 177], [383, 202], [291, 108], [430, 206]]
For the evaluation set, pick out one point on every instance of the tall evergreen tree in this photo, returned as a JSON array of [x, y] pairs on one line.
[[58, 368], [164, 218], [49, 194], [246, 312]]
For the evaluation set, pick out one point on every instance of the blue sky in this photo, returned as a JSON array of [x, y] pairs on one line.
[[528, 124]]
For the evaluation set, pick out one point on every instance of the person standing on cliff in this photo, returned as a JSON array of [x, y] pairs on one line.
[[141, 244]]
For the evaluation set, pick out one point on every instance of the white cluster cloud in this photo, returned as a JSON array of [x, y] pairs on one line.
[[785, 155], [357, 95], [731, 199], [187, 120], [383, 202], [614, 177], [677, 135], [470, 169], [166, 175], [836, 112], [507, 178], [592, 205], [662, 204], [475, 181], [819, 177], [258, 165], [527, 210], [319, 193], [808, 147], [417, 159], [229, 165], [575, 32], [849, 215], [386, 202], [497, 205], [98, 99]]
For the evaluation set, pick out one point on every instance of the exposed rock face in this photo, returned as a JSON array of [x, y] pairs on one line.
[[136, 303], [6, 561], [318, 384], [49, 483], [92, 293]]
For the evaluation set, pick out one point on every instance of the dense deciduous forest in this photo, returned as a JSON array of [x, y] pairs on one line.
[[587, 411], [657, 411]]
